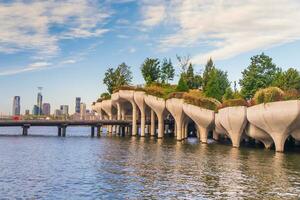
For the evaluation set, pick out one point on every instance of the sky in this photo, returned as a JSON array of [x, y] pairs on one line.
[[65, 46]]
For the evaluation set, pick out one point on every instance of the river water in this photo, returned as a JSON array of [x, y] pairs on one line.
[[44, 166]]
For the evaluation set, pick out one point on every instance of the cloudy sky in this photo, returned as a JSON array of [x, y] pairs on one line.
[[65, 46]]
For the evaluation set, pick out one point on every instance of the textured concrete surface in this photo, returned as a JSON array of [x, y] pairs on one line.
[[234, 121]]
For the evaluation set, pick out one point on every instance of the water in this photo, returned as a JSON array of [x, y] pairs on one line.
[[80, 167]]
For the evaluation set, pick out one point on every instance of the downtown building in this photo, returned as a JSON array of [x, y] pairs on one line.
[[77, 105], [16, 111], [46, 109], [64, 110]]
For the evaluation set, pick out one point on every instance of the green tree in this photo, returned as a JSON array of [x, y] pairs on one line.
[[217, 84], [259, 74], [206, 74], [167, 71], [288, 80], [182, 85], [114, 78], [150, 70], [228, 94]]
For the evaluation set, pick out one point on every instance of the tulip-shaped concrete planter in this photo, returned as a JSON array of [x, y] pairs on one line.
[[219, 129], [140, 101], [129, 96], [158, 105], [175, 107], [107, 107], [234, 121], [278, 119], [202, 117], [259, 134]]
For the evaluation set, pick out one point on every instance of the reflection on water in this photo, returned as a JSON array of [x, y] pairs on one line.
[[139, 168]]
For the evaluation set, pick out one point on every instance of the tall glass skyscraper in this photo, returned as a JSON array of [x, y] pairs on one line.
[[39, 103], [16, 106], [77, 105]]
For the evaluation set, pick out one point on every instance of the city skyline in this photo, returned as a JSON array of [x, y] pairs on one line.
[[69, 58]]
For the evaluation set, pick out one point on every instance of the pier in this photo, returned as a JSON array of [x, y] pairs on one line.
[[63, 124]]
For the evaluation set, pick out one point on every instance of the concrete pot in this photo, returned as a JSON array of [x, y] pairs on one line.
[[175, 107], [234, 121], [203, 118], [278, 119]]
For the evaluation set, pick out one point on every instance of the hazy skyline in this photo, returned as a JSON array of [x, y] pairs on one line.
[[66, 46]]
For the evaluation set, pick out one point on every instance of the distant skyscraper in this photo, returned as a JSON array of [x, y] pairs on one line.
[[39, 103], [57, 112], [16, 105], [46, 109], [82, 110], [77, 105], [64, 109], [35, 110]]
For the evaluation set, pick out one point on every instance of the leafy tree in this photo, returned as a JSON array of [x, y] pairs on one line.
[[217, 84], [288, 80], [167, 71], [182, 85], [259, 74], [206, 74], [115, 78], [228, 94], [151, 70]]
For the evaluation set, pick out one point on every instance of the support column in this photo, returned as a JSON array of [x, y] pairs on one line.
[[134, 116], [98, 130], [215, 135], [203, 134], [160, 126], [143, 123], [178, 130], [25, 129], [64, 130], [152, 125], [92, 131], [59, 131]]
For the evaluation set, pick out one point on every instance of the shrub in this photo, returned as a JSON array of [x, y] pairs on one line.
[[270, 94], [233, 102], [201, 101], [291, 95], [160, 90], [178, 95], [104, 96], [124, 87]]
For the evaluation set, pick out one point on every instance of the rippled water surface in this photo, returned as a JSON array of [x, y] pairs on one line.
[[80, 167]]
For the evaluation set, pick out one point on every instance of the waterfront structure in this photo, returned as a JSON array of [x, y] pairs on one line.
[[269, 123], [82, 111], [64, 110], [16, 106], [77, 104], [46, 109], [39, 103]]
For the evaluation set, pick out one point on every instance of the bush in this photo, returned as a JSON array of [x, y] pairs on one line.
[[104, 96], [233, 102], [160, 90], [267, 95], [124, 87], [178, 95], [201, 101], [291, 95]]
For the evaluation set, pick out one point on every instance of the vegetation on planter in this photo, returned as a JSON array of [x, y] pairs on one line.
[[182, 85], [177, 95], [233, 102], [259, 74], [201, 101], [267, 95], [114, 78]]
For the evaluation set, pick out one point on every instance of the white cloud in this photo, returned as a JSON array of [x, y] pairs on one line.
[[228, 28], [132, 50], [31, 67], [39, 25], [153, 14]]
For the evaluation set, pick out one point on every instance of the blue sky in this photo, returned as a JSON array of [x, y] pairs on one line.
[[65, 46]]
